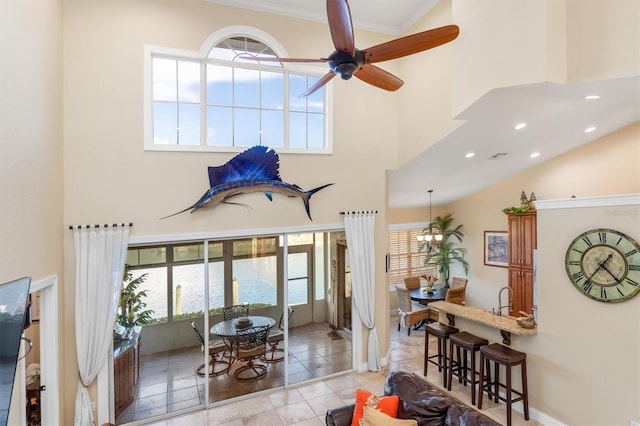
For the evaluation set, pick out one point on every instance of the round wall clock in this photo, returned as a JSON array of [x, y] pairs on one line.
[[604, 265]]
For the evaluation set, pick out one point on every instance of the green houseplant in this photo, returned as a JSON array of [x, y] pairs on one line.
[[443, 255], [132, 310]]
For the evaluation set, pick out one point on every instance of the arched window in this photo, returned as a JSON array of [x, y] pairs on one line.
[[218, 100]]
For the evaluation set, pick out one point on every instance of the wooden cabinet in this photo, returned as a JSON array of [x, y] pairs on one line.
[[126, 368], [522, 243]]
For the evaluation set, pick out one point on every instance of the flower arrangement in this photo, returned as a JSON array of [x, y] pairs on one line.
[[431, 279]]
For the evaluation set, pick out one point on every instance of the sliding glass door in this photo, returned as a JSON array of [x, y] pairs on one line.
[[252, 271]]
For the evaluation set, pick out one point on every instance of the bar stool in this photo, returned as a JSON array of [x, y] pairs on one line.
[[502, 355], [442, 333], [467, 343]]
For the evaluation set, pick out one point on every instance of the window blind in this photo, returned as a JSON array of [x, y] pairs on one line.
[[405, 257]]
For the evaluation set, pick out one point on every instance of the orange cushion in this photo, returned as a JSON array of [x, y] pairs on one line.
[[386, 404]]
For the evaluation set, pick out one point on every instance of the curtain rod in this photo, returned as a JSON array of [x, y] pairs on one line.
[[98, 225], [354, 212]]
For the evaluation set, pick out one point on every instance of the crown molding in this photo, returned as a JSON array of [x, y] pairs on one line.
[[600, 201]]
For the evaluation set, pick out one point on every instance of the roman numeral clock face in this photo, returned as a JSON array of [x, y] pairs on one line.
[[604, 265]]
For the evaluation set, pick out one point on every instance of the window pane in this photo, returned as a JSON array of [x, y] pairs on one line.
[[297, 86], [316, 131], [156, 288], [189, 252], [246, 127], [272, 133], [216, 285], [297, 130], [315, 101], [219, 88], [299, 239], [219, 121], [164, 80], [165, 123], [257, 279], [188, 289], [188, 82], [189, 130], [298, 292], [246, 87], [215, 251], [272, 86]]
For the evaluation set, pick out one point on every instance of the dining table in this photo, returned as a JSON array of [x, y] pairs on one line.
[[230, 328], [421, 295], [424, 297]]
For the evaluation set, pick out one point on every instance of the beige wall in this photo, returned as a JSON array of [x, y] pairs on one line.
[[576, 336], [31, 191], [110, 178]]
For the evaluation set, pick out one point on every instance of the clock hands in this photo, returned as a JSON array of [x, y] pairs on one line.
[[610, 273], [601, 265]]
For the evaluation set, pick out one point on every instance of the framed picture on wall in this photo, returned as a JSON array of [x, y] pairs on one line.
[[496, 248]]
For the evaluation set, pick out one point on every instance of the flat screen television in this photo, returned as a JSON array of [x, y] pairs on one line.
[[13, 308]]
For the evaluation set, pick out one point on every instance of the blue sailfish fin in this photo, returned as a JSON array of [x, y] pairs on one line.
[[258, 162]]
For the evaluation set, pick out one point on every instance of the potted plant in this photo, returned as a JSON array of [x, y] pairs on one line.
[[131, 310], [444, 254]]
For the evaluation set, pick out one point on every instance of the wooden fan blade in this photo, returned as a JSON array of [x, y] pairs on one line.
[[340, 26], [411, 44], [378, 77], [274, 59], [324, 80]]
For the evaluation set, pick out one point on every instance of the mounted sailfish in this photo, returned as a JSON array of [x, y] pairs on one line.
[[254, 170]]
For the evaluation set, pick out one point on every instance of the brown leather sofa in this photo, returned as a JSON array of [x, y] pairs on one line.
[[421, 401]]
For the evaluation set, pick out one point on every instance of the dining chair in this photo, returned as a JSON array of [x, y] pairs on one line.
[[412, 282], [410, 312], [217, 348], [276, 335], [458, 282], [457, 291], [235, 311], [250, 346]]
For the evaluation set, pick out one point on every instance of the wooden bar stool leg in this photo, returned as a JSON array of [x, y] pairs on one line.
[[481, 383], [444, 364], [473, 378], [450, 375], [525, 392], [508, 394], [497, 382], [426, 352]]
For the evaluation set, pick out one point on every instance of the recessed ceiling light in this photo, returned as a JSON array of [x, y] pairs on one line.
[[469, 154], [520, 126], [589, 129], [535, 154], [591, 97]]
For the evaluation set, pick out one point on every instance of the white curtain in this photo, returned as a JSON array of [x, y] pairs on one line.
[[359, 227], [100, 257]]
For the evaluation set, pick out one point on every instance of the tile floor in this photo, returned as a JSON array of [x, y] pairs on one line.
[[168, 382], [306, 404]]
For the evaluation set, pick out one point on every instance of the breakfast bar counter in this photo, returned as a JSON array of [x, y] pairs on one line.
[[506, 325]]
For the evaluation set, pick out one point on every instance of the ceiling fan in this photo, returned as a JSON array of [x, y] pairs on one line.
[[348, 61]]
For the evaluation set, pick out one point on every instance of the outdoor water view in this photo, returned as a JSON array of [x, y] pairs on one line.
[[254, 283]]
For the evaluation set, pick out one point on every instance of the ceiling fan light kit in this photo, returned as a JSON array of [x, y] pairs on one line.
[[347, 61]]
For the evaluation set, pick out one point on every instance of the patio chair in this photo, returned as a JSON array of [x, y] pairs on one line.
[[235, 311], [217, 348], [276, 335], [250, 346], [410, 312]]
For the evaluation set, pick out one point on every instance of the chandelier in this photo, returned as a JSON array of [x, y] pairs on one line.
[[430, 236]]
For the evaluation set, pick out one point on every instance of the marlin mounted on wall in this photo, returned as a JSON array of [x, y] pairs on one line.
[[254, 170]]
